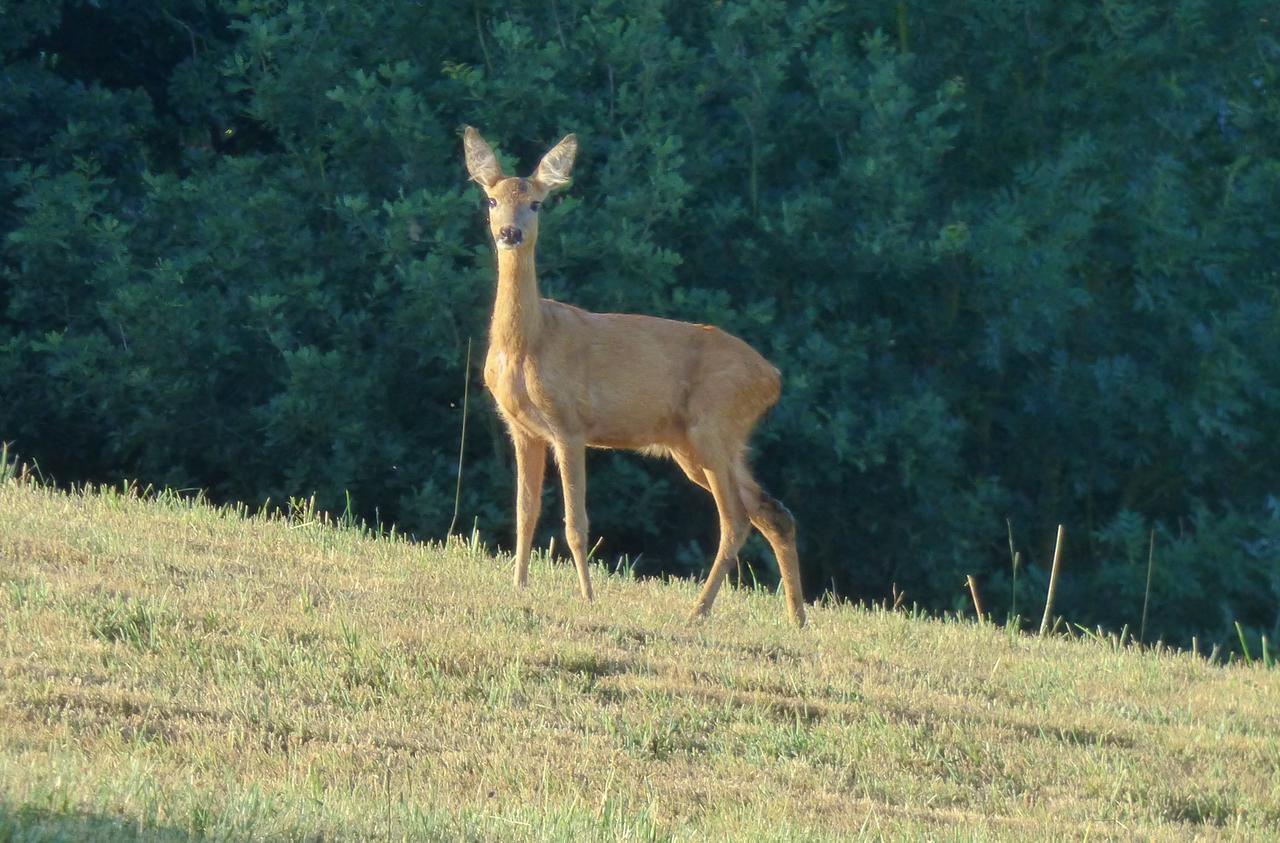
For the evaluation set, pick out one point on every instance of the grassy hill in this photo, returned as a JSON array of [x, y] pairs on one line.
[[173, 671]]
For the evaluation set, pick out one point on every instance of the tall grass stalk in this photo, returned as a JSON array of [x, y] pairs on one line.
[[1146, 597], [973, 592], [1013, 601], [1014, 559], [348, 518], [1244, 645], [1053, 582], [462, 440]]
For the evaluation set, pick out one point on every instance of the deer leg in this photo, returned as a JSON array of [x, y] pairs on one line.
[[733, 532], [571, 456], [775, 523], [694, 471], [531, 464]]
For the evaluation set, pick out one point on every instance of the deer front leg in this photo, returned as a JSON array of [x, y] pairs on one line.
[[571, 456], [531, 465]]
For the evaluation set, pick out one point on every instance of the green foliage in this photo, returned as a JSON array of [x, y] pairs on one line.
[[1013, 259]]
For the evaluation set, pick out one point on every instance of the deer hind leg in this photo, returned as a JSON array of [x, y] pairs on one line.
[[775, 523], [694, 471], [571, 456], [734, 526], [531, 465]]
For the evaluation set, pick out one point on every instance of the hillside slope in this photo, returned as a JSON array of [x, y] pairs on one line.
[[173, 671]]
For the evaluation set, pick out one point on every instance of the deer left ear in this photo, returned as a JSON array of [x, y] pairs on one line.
[[554, 169], [482, 164]]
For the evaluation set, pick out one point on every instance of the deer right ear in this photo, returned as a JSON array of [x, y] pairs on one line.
[[482, 164], [554, 169]]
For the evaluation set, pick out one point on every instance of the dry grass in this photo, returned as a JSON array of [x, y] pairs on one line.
[[174, 671]]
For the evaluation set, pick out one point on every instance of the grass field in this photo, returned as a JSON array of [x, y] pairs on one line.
[[172, 671]]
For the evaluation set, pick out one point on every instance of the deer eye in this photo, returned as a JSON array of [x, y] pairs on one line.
[[493, 203], [534, 206]]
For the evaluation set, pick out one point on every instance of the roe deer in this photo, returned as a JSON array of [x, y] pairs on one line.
[[570, 379]]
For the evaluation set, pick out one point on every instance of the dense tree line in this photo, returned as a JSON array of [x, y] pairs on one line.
[[1015, 258]]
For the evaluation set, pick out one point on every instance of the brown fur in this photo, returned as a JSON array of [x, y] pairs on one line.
[[570, 379]]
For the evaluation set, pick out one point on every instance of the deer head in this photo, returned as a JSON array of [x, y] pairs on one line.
[[514, 202]]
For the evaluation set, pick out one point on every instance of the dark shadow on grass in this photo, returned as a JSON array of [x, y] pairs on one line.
[[40, 825]]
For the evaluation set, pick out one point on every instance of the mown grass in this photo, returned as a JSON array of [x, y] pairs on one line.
[[174, 671]]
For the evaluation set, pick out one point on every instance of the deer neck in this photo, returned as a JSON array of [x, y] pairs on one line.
[[517, 310]]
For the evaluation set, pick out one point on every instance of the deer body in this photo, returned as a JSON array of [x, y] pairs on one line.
[[567, 379]]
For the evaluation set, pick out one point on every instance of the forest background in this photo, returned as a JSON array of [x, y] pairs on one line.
[[1016, 259]]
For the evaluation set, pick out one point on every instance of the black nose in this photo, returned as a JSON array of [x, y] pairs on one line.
[[510, 235]]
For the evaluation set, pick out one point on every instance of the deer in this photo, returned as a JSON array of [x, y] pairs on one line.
[[567, 379]]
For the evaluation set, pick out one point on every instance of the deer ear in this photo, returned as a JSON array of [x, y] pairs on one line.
[[554, 169], [481, 162]]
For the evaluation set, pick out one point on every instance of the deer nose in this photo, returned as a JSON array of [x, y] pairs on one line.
[[510, 235]]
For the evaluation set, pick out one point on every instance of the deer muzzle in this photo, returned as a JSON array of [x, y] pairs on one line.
[[509, 237]]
